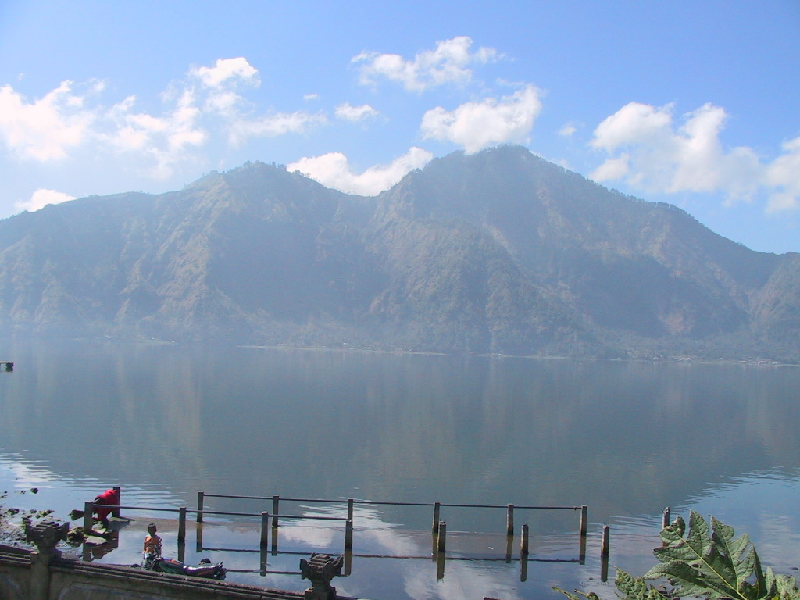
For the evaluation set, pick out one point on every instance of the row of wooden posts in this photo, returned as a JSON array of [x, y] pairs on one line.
[[438, 528]]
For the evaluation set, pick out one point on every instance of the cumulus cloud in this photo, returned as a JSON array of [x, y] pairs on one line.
[[206, 102], [784, 175], [163, 141], [220, 82], [649, 152], [48, 128], [226, 70], [449, 62], [64, 121], [41, 198], [476, 125], [613, 168], [333, 170], [355, 113]]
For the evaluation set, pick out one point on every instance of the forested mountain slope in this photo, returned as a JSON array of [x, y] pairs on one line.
[[499, 251]]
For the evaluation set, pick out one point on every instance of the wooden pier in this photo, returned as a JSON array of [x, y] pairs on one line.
[[270, 522]]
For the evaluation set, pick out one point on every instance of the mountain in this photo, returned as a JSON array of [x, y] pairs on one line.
[[500, 251]]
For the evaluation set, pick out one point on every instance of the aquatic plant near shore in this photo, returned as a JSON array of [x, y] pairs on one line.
[[703, 562]]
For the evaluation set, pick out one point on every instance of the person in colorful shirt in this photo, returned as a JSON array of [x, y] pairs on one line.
[[107, 498], [152, 546]]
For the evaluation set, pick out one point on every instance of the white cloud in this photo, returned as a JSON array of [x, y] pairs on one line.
[[226, 70], [633, 123], [355, 113], [476, 125], [45, 129], [163, 142], [649, 153], [784, 174], [613, 168], [567, 130], [333, 170], [205, 103], [448, 63], [274, 125], [41, 198]]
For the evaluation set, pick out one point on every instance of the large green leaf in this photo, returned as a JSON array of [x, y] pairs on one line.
[[636, 588], [709, 561], [704, 562]]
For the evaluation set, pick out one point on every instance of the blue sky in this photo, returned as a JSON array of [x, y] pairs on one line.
[[692, 103]]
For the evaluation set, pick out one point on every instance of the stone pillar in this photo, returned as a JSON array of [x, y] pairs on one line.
[[45, 536], [320, 570]]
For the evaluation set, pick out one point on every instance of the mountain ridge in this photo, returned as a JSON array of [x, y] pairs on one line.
[[500, 251]]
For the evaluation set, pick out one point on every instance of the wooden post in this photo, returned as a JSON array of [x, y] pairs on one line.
[[199, 536], [605, 544], [116, 511], [348, 535], [584, 520], [584, 528], [349, 509], [182, 525], [348, 563], [88, 523], [604, 556], [200, 499], [665, 518], [264, 528], [510, 520], [523, 543], [582, 550], [437, 507], [276, 502], [263, 562], [441, 536]]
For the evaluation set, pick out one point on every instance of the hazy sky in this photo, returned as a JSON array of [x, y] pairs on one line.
[[692, 103]]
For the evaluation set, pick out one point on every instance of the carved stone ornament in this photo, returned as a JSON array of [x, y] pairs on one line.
[[320, 570], [46, 535]]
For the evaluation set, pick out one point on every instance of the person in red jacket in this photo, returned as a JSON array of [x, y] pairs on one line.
[[107, 498]]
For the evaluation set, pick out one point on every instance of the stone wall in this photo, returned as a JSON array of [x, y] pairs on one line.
[[26, 575]]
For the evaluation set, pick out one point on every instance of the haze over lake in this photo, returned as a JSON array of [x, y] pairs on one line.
[[624, 438]]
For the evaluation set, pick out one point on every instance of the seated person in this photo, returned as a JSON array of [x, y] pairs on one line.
[[152, 546], [152, 543]]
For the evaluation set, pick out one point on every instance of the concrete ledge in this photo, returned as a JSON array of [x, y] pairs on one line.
[[67, 579]]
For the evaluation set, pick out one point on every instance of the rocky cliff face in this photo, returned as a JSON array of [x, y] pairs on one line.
[[495, 252]]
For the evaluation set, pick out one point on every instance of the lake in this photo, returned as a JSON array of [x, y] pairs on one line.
[[624, 438]]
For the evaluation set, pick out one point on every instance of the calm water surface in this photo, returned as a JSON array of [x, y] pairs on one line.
[[626, 439]]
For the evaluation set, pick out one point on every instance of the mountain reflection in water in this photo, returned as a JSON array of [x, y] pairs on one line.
[[627, 439]]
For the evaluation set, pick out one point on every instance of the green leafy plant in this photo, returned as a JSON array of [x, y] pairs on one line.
[[707, 561]]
